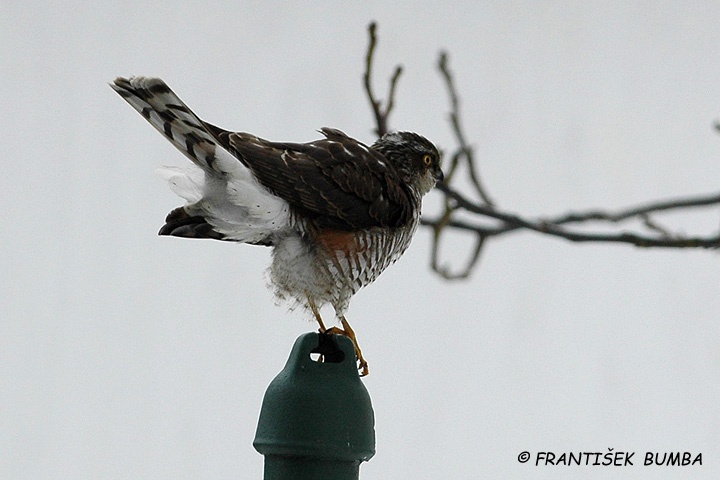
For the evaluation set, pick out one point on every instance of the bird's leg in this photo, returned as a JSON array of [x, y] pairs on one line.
[[350, 333], [363, 365], [316, 314], [346, 330], [318, 318]]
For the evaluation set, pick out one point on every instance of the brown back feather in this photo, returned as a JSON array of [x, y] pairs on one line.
[[337, 182]]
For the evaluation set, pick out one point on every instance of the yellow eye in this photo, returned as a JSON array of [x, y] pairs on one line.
[[427, 160]]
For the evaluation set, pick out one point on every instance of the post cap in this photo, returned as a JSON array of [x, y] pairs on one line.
[[318, 410]]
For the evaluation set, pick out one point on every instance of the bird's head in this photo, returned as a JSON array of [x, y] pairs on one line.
[[414, 156]]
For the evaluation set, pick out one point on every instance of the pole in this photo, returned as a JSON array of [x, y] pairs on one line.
[[316, 421]]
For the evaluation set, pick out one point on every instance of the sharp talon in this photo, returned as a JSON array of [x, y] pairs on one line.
[[346, 331]]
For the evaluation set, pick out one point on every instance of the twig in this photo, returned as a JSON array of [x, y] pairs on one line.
[[650, 207], [381, 114], [464, 150], [556, 226]]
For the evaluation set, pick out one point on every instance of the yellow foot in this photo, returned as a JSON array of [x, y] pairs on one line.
[[346, 330], [350, 333]]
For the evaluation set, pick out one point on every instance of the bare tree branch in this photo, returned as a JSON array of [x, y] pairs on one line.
[[381, 114], [556, 226], [645, 209], [649, 233], [464, 150]]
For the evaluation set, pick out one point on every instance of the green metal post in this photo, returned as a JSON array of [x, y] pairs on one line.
[[316, 421]]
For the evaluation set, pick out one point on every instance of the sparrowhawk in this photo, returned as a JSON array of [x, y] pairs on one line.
[[335, 211]]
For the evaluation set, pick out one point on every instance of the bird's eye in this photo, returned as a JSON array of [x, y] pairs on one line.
[[427, 160]]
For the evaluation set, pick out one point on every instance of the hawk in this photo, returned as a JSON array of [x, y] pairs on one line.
[[336, 212]]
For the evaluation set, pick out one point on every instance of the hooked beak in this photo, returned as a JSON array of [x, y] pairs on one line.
[[439, 175]]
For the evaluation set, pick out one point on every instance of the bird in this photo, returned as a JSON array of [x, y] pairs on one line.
[[335, 212]]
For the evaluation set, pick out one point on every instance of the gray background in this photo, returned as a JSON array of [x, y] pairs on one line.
[[125, 355]]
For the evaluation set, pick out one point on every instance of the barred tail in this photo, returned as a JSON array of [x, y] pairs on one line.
[[170, 116], [225, 200]]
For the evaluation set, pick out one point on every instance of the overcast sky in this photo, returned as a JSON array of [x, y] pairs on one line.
[[124, 355]]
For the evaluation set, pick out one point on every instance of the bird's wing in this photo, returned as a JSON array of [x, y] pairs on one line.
[[337, 181]]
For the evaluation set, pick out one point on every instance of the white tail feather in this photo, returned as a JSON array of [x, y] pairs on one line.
[[222, 190]]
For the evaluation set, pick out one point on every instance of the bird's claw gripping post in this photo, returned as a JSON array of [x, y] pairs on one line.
[[348, 332]]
